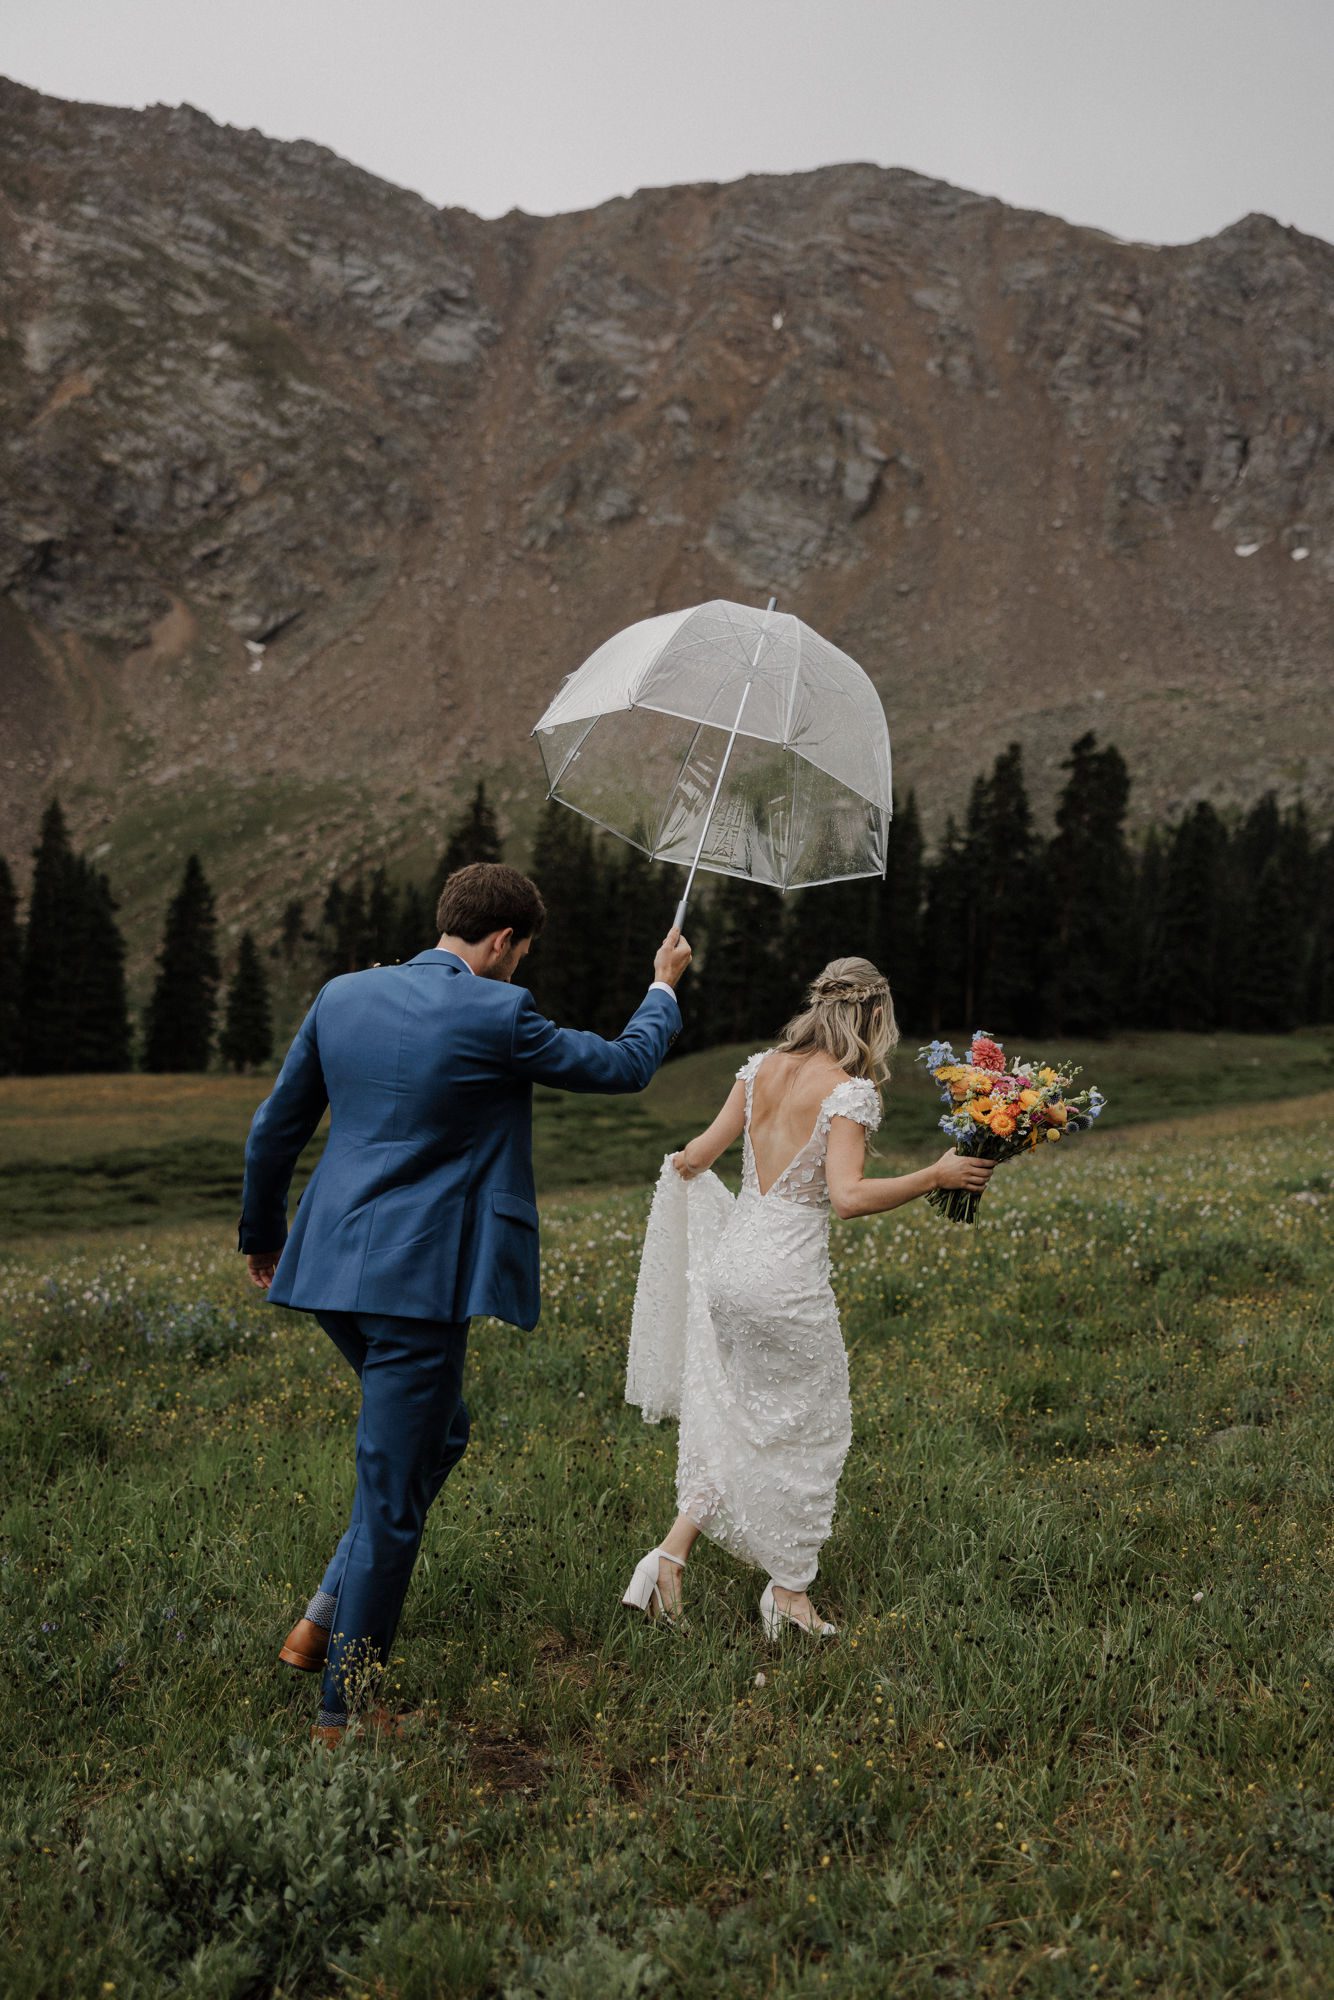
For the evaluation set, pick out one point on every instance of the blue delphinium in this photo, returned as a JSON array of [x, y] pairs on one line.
[[939, 1055], [961, 1126]]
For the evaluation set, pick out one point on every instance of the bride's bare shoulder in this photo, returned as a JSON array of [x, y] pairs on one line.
[[816, 1075]]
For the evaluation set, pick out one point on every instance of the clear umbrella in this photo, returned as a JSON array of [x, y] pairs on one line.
[[730, 739]]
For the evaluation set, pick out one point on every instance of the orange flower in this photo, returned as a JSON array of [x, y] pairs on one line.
[[958, 1090], [981, 1108], [1001, 1124], [1057, 1114], [1027, 1099]]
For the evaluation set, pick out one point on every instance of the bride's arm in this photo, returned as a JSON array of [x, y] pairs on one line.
[[851, 1193], [726, 1127]]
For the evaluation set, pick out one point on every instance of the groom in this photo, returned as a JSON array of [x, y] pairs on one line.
[[419, 1214]]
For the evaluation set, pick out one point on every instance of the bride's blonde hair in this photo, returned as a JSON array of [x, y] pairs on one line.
[[849, 1015]]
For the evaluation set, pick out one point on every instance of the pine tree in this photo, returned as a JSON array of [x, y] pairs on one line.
[[293, 933], [101, 1039], [1146, 919], [1270, 967], [974, 924], [72, 1005], [897, 916], [1274, 879], [381, 920], [178, 1031], [1319, 1000], [634, 917], [247, 1033], [751, 976], [1182, 976], [49, 998], [564, 966], [11, 975], [835, 920], [331, 934], [345, 937], [415, 928], [474, 836], [1001, 923], [1257, 837], [947, 941], [1091, 886]]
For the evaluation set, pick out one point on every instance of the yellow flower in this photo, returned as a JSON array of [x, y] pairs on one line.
[[1047, 1075], [958, 1090], [981, 1109], [1053, 1134], [1027, 1099]]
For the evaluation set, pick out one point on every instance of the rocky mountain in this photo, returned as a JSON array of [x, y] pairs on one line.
[[310, 493]]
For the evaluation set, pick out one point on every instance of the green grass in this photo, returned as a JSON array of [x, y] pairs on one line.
[[85, 1153], [1073, 1738]]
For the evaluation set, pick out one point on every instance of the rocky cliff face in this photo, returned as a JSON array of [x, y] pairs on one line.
[[310, 493]]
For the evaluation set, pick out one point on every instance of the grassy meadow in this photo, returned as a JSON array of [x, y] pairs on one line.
[[1074, 1737], [84, 1153]]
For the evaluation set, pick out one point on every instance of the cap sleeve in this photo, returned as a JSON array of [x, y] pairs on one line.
[[748, 1068], [858, 1099]]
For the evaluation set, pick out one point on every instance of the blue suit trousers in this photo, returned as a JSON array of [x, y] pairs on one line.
[[411, 1433]]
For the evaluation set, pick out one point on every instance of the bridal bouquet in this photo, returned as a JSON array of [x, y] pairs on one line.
[[997, 1109]]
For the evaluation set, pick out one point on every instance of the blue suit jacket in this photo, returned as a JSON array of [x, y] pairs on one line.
[[423, 1203]]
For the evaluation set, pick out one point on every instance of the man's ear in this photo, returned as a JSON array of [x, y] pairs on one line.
[[502, 941]]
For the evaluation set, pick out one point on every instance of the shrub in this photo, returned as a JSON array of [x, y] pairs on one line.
[[259, 1875]]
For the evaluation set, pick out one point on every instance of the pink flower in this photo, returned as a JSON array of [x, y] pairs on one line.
[[986, 1054], [1006, 1086]]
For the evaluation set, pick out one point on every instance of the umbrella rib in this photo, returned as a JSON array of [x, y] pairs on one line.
[[574, 752], [792, 693]]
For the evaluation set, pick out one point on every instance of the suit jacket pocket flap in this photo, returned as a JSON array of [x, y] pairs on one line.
[[515, 1207]]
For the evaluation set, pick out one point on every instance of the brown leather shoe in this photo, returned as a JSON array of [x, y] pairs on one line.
[[376, 1721], [305, 1646]]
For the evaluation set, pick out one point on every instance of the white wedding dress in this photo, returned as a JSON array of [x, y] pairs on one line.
[[735, 1331]]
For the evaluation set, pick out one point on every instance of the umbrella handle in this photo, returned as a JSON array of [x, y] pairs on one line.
[[679, 918]]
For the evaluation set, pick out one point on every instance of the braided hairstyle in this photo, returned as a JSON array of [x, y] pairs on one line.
[[849, 1015]]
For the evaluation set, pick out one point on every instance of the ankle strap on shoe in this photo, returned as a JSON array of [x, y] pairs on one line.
[[680, 1561]]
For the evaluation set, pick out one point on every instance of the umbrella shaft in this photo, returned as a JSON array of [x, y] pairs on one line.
[[679, 918]]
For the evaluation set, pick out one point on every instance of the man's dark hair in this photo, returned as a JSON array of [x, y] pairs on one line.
[[487, 896]]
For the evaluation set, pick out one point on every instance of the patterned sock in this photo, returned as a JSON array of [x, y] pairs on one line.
[[321, 1609], [332, 1718]]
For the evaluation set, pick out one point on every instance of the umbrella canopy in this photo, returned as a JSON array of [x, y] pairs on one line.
[[728, 737]]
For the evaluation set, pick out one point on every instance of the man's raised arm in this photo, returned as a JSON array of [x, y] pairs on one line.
[[571, 1059]]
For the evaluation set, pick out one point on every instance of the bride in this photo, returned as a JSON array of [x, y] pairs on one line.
[[735, 1329]]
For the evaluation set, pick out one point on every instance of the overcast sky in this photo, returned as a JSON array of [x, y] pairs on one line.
[[1157, 119]]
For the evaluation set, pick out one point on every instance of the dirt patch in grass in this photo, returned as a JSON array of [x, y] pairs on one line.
[[506, 1764]]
